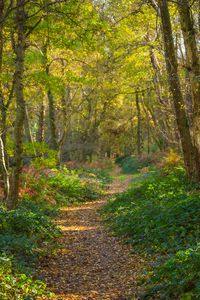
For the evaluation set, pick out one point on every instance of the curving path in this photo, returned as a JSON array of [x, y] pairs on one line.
[[91, 263]]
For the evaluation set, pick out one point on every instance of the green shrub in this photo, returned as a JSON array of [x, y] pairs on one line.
[[39, 207], [27, 233], [37, 154], [100, 174], [161, 216], [177, 278], [23, 232], [70, 187], [18, 286], [62, 187], [132, 164]]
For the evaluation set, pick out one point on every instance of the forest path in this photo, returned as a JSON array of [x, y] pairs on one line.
[[92, 263]]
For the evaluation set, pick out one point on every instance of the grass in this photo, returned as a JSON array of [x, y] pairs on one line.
[[160, 216]]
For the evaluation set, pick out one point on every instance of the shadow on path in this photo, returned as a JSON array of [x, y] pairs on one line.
[[91, 263]]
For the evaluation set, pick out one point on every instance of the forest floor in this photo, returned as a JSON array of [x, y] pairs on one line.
[[92, 263]]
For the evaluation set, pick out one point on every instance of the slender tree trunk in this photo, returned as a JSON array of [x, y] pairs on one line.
[[28, 134], [64, 100], [139, 142], [190, 154], [148, 123], [5, 170], [198, 6], [40, 132], [51, 104], [3, 119], [193, 64], [155, 65], [148, 127], [2, 103], [3, 152], [20, 104], [188, 97], [52, 123]]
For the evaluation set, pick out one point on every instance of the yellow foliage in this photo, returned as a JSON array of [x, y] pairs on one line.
[[172, 159], [144, 170]]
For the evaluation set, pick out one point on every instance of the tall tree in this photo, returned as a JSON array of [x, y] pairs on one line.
[[193, 64], [190, 153], [139, 134], [20, 103]]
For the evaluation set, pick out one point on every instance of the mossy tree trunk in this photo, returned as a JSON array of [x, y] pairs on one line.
[[193, 64], [139, 134], [51, 102], [190, 153], [20, 103], [41, 124]]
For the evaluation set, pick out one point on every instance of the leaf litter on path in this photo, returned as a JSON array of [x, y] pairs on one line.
[[91, 263]]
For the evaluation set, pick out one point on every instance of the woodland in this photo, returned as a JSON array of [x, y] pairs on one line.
[[99, 149]]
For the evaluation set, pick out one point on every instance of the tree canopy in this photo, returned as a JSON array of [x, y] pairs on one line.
[[97, 78]]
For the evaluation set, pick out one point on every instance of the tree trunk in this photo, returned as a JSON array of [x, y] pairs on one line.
[[6, 176], [139, 142], [193, 64], [2, 103], [157, 75], [51, 105], [190, 154], [40, 131], [65, 99], [52, 124], [3, 109], [20, 104], [27, 128]]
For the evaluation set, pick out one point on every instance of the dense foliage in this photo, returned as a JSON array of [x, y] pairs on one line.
[[81, 80], [133, 164], [18, 286], [159, 215], [28, 232], [88, 80]]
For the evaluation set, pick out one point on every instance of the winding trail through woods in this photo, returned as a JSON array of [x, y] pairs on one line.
[[91, 263]]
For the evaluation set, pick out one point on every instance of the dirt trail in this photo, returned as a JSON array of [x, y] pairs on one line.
[[91, 263]]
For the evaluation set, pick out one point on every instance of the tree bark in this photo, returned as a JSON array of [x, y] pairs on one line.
[[20, 104], [40, 131], [3, 113], [27, 128], [52, 124], [51, 104], [193, 64], [139, 142], [65, 99], [5, 170], [190, 154], [2, 106]]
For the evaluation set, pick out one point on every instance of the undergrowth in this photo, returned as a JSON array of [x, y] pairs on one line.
[[27, 233], [132, 164], [160, 216], [15, 286], [102, 175]]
